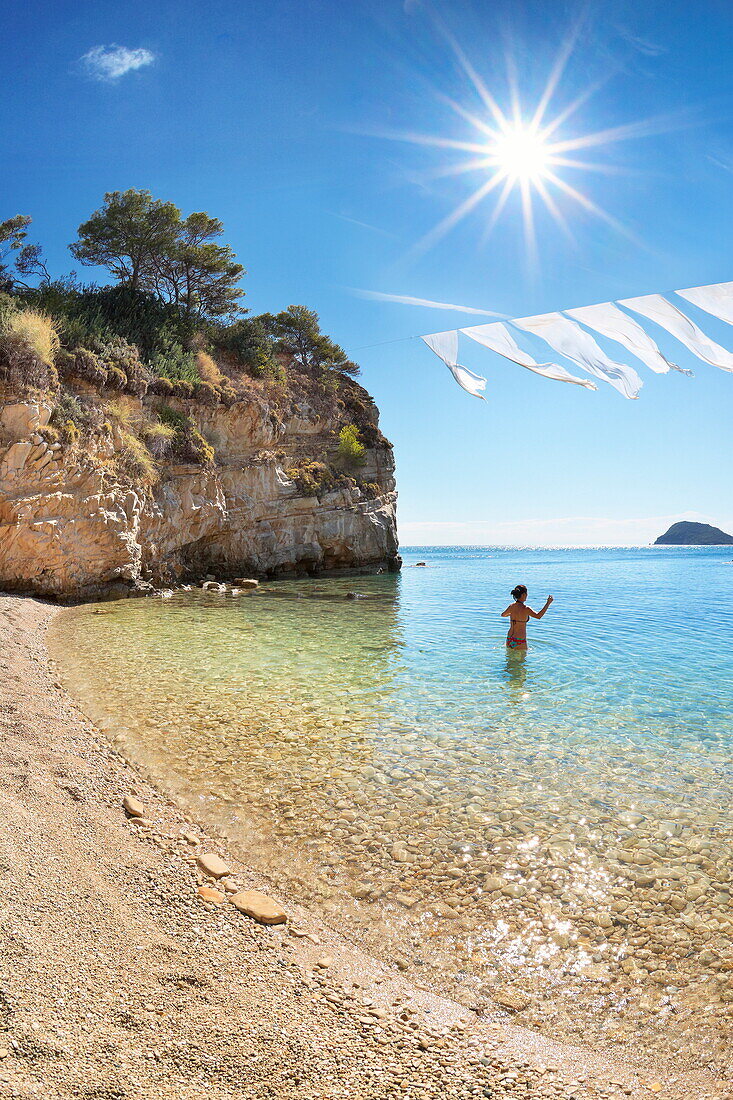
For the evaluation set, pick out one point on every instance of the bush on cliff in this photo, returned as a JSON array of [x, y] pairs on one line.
[[74, 418], [28, 344], [37, 330], [158, 438], [312, 480], [350, 454], [136, 460], [188, 444]]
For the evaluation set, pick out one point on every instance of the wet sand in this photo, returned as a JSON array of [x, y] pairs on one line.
[[119, 980]]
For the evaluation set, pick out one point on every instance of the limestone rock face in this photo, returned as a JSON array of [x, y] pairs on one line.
[[70, 526]]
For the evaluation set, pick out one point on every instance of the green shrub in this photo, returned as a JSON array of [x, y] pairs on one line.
[[116, 378], [8, 306], [206, 393], [187, 445], [22, 368], [162, 386], [350, 453], [175, 362], [73, 417], [228, 396], [183, 389], [312, 480]]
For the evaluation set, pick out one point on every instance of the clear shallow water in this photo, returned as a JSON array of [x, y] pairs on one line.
[[556, 829]]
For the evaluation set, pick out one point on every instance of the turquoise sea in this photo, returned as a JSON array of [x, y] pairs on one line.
[[555, 829]]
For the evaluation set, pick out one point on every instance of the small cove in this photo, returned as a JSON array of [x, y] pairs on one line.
[[554, 833]]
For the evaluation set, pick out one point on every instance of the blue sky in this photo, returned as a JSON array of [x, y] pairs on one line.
[[279, 117]]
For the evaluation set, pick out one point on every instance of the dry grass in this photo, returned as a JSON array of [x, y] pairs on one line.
[[37, 330], [159, 438], [118, 410], [136, 459], [208, 370]]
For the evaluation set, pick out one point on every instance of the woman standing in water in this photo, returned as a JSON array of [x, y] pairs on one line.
[[519, 615]]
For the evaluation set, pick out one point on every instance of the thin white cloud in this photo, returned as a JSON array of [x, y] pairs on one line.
[[109, 63], [407, 300], [567, 531], [644, 45]]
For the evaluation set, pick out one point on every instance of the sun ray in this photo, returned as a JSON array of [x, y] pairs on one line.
[[486, 98], [593, 208], [455, 216], [556, 73], [528, 151], [555, 211], [530, 236], [497, 211]]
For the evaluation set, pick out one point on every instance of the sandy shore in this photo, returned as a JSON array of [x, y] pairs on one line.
[[118, 980]]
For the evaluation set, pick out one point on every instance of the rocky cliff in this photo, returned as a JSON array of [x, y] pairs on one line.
[[71, 525]]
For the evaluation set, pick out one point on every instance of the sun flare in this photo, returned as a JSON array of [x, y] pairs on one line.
[[521, 153], [529, 152]]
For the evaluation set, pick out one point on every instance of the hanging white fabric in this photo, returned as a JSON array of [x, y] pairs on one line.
[[498, 338], [658, 309], [608, 320], [576, 344], [716, 299], [445, 346]]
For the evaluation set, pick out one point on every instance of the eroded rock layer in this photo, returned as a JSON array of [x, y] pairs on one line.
[[71, 525]]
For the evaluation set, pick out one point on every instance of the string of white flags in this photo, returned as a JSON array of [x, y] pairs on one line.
[[570, 333]]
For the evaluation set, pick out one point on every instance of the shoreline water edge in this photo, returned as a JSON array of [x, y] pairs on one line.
[[128, 969]]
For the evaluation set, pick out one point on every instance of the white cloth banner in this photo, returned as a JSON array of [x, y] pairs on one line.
[[498, 338], [716, 299], [608, 320], [576, 344], [445, 346], [658, 309]]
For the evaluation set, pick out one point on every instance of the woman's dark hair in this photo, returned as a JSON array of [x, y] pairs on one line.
[[520, 590]]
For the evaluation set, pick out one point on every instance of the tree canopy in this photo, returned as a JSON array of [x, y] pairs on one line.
[[150, 248], [25, 257], [297, 333]]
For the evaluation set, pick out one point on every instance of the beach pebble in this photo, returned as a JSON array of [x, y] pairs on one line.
[[133, 806], [259, 907], [508, 998], [213, 865], [208, 893], [324, 962]]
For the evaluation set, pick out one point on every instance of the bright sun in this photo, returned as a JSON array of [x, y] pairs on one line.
[[521, 153], [510, 150]]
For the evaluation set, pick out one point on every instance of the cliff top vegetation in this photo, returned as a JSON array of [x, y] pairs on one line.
[[170, 322]]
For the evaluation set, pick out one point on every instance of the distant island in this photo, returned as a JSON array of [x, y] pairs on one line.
[[694, 534]]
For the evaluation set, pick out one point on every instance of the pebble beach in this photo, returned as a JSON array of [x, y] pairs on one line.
[[129, 969]]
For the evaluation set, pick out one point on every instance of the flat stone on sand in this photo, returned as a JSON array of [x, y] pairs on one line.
[[133, 806], [213, 865], [208, 893], [259, 907]]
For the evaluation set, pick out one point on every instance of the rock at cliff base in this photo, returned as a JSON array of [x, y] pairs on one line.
[[133, 806], [213, 865], [259, 907], [244, 582]]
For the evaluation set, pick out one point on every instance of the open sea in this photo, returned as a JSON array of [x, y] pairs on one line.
[[549, 835]]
